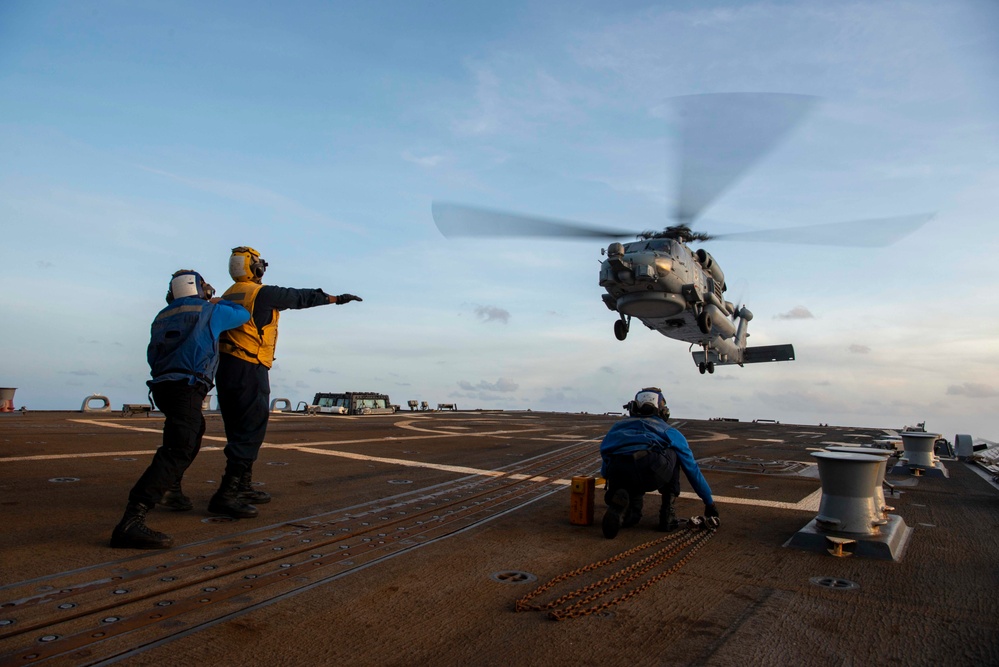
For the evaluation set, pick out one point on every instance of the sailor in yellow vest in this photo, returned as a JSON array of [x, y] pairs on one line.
[[242, 379]]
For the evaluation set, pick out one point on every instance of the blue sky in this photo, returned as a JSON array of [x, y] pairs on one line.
[[138, 138]]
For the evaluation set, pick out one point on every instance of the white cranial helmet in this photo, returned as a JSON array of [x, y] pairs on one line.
[[649, 402], [188, 283]]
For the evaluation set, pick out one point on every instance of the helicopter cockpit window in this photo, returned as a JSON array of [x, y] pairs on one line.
[[662, 245]]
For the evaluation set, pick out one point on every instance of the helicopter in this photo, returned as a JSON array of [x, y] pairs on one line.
[[658, 278]]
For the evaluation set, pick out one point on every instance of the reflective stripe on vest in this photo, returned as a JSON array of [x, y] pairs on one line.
[[247, 342]]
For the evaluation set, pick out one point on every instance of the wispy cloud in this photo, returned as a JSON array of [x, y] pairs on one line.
[[501, 385], [423, 160], [492, 314], [859, 349], [972, 390], [796, 313], [257, 196]]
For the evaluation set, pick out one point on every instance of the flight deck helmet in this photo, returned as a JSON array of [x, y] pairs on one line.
[[245, 265], [649, 402], [188, 283]]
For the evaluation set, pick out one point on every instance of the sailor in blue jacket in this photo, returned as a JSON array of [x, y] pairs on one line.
[[183, 355], [644, 453]]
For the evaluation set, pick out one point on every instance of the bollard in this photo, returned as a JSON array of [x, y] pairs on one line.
[[884, 455], [848, 482], [918, 448], [849, 522], [280, 404], [105, 407]]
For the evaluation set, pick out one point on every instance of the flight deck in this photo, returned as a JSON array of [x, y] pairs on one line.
[[408, 539]]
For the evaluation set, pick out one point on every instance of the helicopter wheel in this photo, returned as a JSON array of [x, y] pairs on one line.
[[702, 367], [621, 329], [711, 366], [704, 323]]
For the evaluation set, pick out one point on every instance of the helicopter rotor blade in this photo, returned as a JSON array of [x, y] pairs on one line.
[[871, 233], [459, 220], [722, 135]]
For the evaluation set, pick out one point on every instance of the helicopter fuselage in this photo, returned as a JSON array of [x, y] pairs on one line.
[[679, 293]]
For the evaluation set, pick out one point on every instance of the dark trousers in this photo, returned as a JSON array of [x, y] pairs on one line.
[[638, 475], [244, 392], [183, 429]]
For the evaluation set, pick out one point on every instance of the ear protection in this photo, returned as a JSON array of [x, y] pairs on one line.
[[649, 402], [188, 283], [245, 264]]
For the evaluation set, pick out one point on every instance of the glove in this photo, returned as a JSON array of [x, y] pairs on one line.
[[347, 298], [710, 511]]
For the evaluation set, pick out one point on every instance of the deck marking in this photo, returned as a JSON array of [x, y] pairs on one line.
[[809, 503]]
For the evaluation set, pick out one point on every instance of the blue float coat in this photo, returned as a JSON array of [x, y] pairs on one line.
[[184, 339], [637, 434]]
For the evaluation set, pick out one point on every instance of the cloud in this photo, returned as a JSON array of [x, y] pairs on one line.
[[257, 196], [796, 313], [492, 314], [972, 390], [44, 264], [501, 385], [316, 369], [423, 161], [82, 373], [859, 349]]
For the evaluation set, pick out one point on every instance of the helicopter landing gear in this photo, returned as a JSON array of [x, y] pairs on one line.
[[621, 328], [708, 367], [704, 322]]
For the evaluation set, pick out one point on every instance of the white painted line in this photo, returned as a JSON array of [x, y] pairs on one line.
[[809, 503]]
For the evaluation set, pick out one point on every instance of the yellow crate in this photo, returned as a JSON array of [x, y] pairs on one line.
[[581, 501]]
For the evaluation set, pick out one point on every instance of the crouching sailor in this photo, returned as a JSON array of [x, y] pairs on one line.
[[643, 453]]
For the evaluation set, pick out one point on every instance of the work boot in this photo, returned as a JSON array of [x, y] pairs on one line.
[[616, 505], [634, 513], [667, 514], [174, 499], [133, 533], [227, 501], [250, 495]]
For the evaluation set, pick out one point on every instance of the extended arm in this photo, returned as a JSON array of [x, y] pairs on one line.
[[690, 468], [227, 315]]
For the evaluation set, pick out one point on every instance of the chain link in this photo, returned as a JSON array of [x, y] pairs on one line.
[[669, 547]]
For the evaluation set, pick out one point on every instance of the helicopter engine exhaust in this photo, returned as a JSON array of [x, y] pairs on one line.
[[708, 262]]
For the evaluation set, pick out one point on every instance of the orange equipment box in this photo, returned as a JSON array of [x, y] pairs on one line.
[[581, 501]]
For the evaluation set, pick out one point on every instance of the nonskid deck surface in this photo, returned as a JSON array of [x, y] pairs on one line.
[[408, 538]]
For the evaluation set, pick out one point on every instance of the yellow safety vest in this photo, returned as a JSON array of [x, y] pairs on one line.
[[247, 342]]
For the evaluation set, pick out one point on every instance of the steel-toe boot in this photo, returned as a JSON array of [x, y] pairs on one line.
[[667, 515], [174, 499], [250, 495], [133, 533], [227, 501], [616, 505], [634, 512]]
